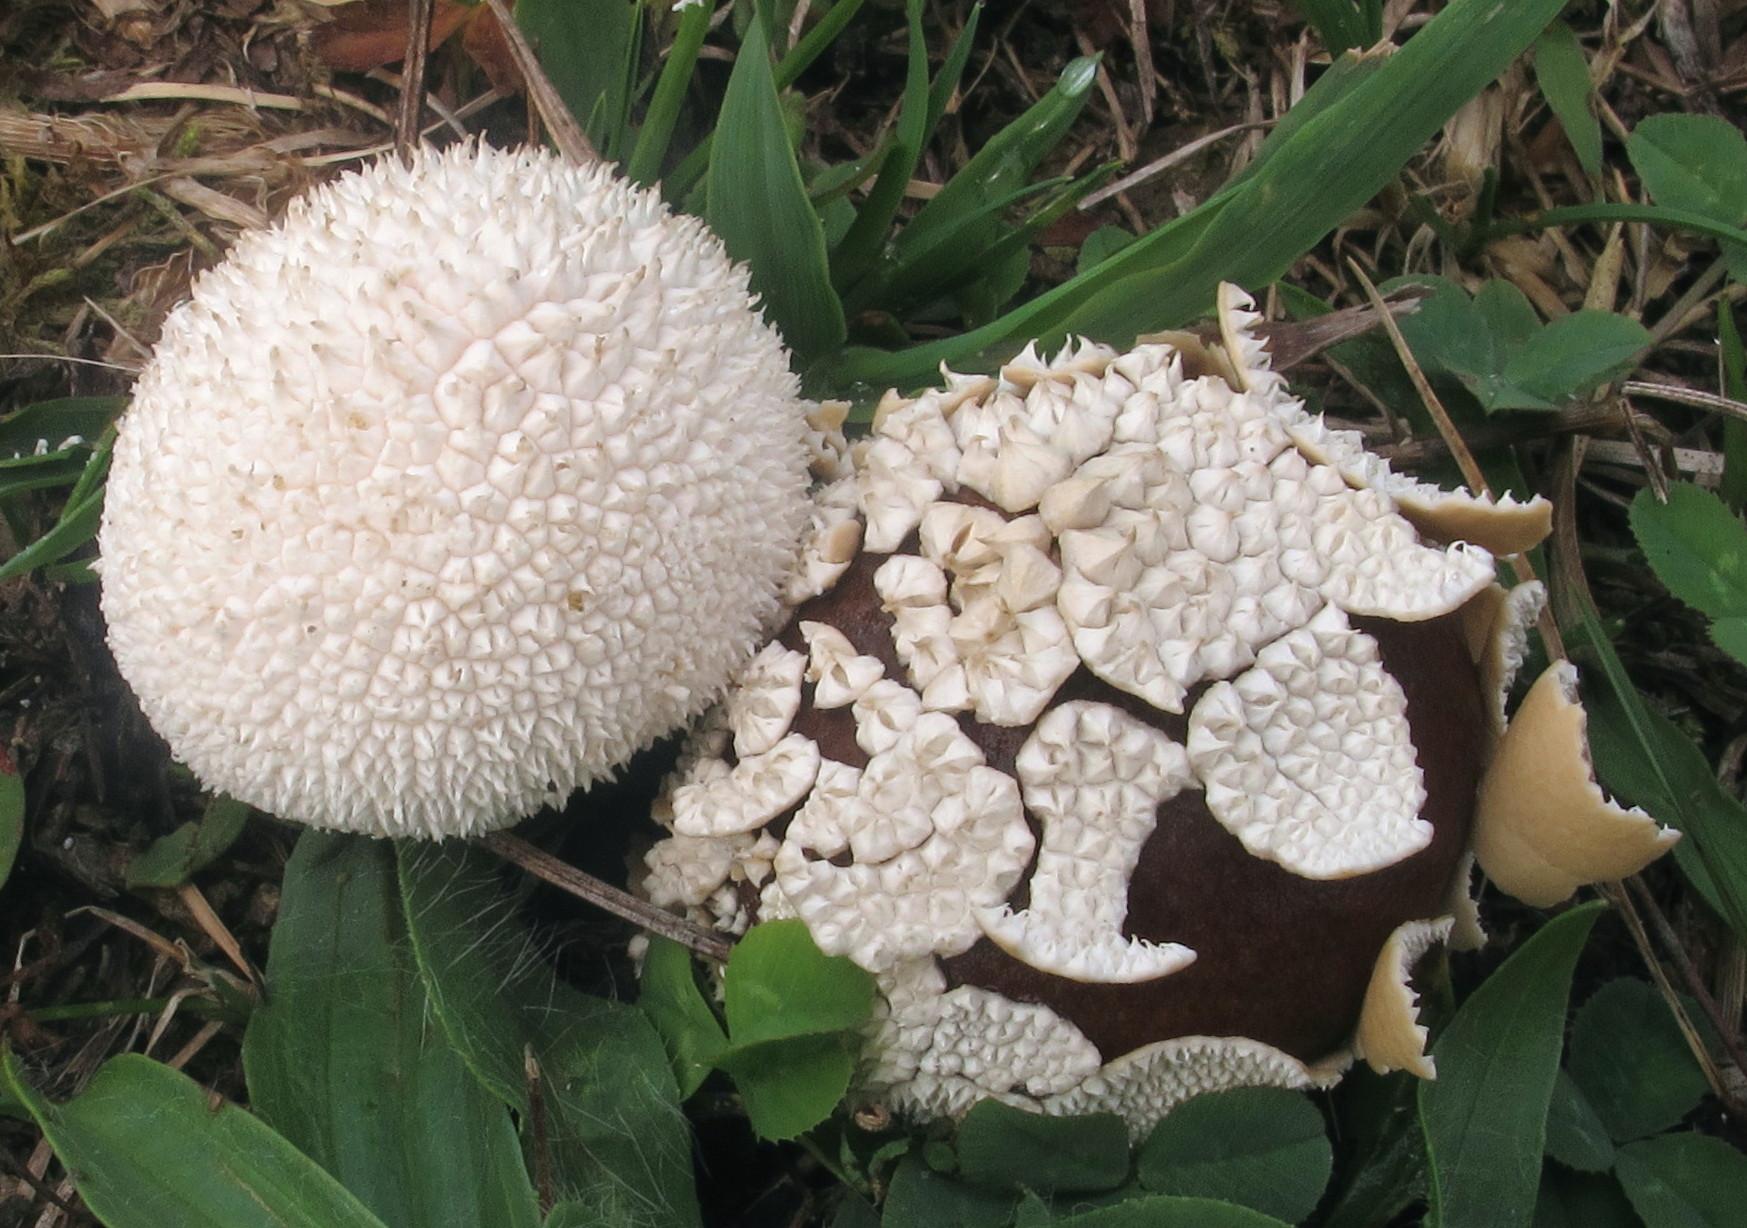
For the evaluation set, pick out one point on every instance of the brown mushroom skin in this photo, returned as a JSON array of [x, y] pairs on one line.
[[1279, 958]]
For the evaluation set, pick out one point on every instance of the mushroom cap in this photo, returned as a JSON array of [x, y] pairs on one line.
[[1149, 725], [440, 498]]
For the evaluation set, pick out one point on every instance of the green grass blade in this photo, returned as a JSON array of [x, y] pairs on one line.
[[1656, 215], [1339, 23], [11, 816], [758, 205], [867, 235], [587, 48], [54, 421], [1734, 364], [1007, 160], [800, 57], [676, 74], [1327, 168], [148, 1147], [77, 525], [1485, 1115], [952, 70], [341, 1058], [1563, 75]]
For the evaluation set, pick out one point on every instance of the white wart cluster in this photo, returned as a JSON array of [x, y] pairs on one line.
[[471, 477], [1093, 733]]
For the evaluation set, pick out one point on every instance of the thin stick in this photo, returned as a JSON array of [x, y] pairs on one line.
[[1685, 396], [566, 133], [1695, 984], [542, 865], [412, 81]]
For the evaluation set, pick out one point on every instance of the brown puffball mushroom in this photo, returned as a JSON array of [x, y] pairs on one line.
[[1128, 728]]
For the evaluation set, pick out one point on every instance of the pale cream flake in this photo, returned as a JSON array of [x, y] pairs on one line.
[[892, 487], [1183, 555], [763, 702], [1308, 758], [699, 875], [1496, 625], [717, 800], [829, 545], [931, 832], [968, 1044], [1148, 1083], [827, 448], [1390, 1036], [1000, 648], [839, 674], [1094, 777], [1041, 422]]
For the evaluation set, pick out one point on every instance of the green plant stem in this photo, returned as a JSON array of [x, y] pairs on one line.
[[119, 1006], [676, 75]]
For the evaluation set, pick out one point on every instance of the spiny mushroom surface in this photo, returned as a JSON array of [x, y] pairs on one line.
[[440, 498], [1128, 728]]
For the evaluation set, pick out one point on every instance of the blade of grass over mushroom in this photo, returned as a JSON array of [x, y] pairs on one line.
[[588, 49], [1315, 172], [609, 1123], [148, 1146], [758, 206], [341, 1057], [1485, 1116], [650, 151]]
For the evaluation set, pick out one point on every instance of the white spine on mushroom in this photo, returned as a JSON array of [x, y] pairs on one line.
[[443, 496], [1094, 777], [1308, 758]]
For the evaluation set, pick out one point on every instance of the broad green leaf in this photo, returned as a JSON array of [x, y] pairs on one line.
[[1006, 1147], [1696, 546], [588, 49], [11, 815], [758, 205], [1563, 75], [1632, 1062], [791, 1085], [342, 1059], [1684, 1181], [1169, 1211], [1730, 635], [1509, 316], [668, 993], [1263, 1147], [1697, 163], [1574, 353], [172, 860], [612, 1127], [1485, 1116], [779, 985], [1582, 1200], [919, 1197], [149, 1147], [1576, 1137]]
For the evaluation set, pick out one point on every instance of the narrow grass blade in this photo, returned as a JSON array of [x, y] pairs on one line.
[[758, 205], [861, 246], [341, 1057], [1485, 1115], [650, 150], [1563, 75], [1734, 381], [147, 1147], [11, 816]]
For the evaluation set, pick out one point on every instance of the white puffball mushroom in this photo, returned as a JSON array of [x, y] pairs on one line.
[[440, 498]]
